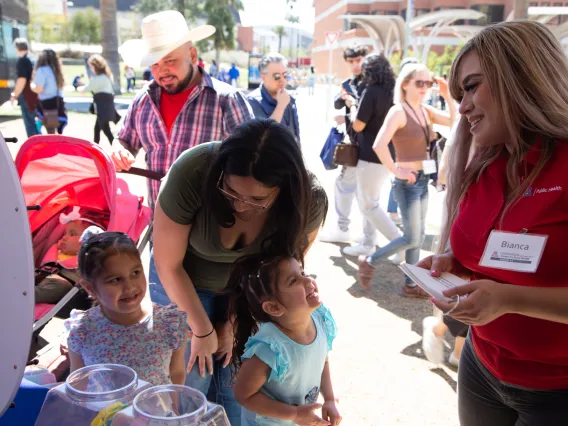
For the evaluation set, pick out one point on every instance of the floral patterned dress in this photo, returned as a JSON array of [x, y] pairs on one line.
[[146, 347]]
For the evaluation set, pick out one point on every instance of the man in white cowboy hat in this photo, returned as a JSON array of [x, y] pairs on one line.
[[183, 106]]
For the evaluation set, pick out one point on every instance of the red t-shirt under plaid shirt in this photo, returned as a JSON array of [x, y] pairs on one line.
[[171, 105]]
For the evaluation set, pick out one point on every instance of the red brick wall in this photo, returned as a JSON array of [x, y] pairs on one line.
[[245, 37]]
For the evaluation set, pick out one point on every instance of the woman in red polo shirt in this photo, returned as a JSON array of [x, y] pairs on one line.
[[508, 226]]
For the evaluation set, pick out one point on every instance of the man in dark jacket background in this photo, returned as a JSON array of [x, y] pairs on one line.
[[26, 98], [271, 99]]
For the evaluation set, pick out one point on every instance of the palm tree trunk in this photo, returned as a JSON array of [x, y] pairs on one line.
[[521, 9], [110, 40], [218, 58], [279, 43]]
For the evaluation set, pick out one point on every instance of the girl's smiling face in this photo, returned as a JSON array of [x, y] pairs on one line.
[[121, 287], [298, 293]]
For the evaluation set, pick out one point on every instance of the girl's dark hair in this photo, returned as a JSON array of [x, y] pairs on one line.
[[253, 281], [49, 57], [267, 151], [98, 248], [376, 69]]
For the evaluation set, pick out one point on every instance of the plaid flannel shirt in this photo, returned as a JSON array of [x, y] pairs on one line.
[[211, 113]]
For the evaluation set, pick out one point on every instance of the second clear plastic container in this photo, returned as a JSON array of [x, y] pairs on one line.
[[171, 405]]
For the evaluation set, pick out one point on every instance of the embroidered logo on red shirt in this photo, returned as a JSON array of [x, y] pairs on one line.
[[530, 192]]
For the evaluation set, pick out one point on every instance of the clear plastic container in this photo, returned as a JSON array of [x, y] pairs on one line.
[[171, 405], [90, 392]]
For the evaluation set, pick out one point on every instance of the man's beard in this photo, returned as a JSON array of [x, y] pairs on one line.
[[182, 85]]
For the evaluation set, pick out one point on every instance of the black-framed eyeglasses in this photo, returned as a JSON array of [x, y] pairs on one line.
[[234, 198], [421, 83]]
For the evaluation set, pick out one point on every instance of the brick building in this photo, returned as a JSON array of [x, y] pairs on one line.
[[332, 15]]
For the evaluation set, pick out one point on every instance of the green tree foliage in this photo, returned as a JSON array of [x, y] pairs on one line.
[[215, 12], [147, 7], [293, 19], [280, 31], [83, 27], [191, 9]]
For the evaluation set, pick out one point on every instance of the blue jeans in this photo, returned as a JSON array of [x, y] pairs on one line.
[[393, 205], [28, 116], [217, 387], [412, 198]]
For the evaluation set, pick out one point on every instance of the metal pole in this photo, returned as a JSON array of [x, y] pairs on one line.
[[409, 17]]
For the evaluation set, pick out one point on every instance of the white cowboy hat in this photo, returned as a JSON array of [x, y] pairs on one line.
[[162, 33]]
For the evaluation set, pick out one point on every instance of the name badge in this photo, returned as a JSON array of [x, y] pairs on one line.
[[429, 167], [513, 252]]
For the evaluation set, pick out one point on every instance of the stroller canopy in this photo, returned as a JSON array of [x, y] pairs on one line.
[[57, 172]]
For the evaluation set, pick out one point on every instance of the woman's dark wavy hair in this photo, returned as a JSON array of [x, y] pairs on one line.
[[49, 57], [253, 281], [267, 151], [376, 69]]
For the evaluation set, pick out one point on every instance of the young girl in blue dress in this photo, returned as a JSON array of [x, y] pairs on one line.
[[282, 337], [124, 328]]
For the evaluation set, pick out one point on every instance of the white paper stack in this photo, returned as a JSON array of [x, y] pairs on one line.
[[434, 286]]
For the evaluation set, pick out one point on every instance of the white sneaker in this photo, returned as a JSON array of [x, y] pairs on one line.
[[453, 360], [358, 250], [334, 235], [432, 345], [398, 258]]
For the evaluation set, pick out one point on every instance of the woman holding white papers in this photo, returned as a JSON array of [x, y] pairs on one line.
[[508, 226]]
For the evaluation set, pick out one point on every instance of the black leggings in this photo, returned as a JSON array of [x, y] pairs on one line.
[[105, 127], [485, 401]]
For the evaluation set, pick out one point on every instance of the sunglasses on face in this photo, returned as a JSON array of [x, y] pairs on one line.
[[423, 83], [232, 198], [277, 77]]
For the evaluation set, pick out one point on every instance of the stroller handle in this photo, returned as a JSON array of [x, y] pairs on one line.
[[11, 140], [144, 173]]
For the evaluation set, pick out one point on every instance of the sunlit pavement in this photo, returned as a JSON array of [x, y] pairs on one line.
[[378, 369]]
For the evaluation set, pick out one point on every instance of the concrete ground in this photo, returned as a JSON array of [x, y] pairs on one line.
[[378, 369]]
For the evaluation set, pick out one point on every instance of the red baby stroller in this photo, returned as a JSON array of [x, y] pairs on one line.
[[59, 172]]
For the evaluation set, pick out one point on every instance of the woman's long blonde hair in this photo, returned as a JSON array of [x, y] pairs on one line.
[[527, 73], [99, 65], [406, 74]]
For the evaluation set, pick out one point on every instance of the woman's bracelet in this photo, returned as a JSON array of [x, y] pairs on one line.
[[205, 335]]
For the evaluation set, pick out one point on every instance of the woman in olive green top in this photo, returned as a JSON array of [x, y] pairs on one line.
[[221, 201]]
